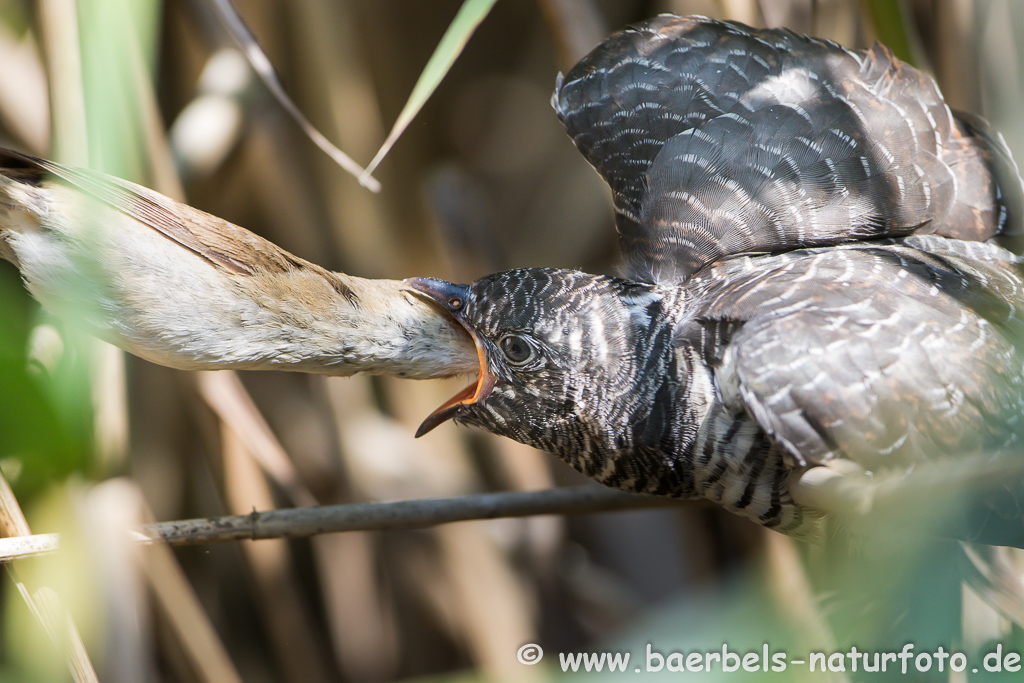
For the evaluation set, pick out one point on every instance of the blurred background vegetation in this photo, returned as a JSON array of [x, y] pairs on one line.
[[484, 179]]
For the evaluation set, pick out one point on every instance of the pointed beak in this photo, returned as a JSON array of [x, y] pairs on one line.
[[451, 298]]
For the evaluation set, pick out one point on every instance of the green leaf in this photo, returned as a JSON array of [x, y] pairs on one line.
[[468, 18]]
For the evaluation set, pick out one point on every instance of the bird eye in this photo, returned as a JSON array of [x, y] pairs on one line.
[[516, 349]]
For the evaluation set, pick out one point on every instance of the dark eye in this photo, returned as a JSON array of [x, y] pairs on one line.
[[516, 349]]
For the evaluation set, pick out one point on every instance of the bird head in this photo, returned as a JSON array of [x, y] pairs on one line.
[[554, 347]]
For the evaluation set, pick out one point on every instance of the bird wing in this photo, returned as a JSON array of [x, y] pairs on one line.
[[719, 139], [223, 244], [883, 354]]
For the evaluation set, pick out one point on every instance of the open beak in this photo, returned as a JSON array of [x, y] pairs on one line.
[[451, 298]]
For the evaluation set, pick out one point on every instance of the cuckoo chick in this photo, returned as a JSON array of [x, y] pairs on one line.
[[817, 271]]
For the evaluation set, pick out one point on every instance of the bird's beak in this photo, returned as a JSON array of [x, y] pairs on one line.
[[450, 299]]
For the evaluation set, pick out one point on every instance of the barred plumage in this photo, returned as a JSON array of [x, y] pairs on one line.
[[719, 139], [882, 329]]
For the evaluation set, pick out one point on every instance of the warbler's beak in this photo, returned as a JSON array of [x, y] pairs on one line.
[[451, 299]]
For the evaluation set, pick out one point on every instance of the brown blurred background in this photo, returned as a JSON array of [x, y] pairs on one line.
[[484, 179]]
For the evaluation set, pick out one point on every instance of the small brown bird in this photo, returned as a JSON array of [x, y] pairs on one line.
[[180, 287]]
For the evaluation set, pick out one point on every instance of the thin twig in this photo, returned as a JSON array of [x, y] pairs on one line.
[[43, 602], [924, 484], [404, 514], [264, 69]]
